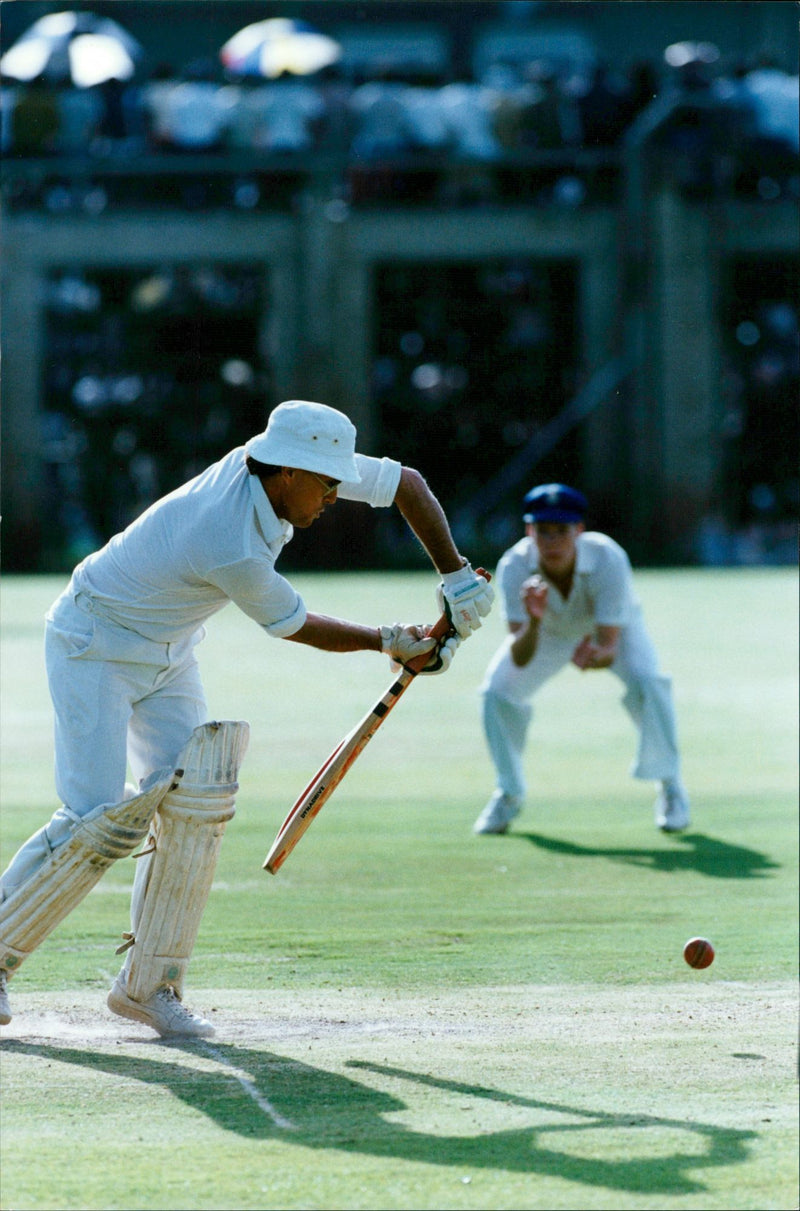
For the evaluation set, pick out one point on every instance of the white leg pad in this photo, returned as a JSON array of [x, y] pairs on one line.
[[63, 876], [173, 883]]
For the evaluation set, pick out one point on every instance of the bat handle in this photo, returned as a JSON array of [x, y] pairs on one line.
[[440, 630]]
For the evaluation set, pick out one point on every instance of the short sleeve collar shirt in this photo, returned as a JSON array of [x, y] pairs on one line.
[[602, 592], [212, 541]]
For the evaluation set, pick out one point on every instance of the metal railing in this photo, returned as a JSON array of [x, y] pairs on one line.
[[319, 172]]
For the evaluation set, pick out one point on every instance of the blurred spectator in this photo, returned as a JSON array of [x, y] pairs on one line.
[[333, 128], [271, 115], [428, 129], [193, 113], [121, 126], [80, 111], [381, 133], [768, 160], [381, 121], [155, 94], [697, 135], [8, 101], [35, 120], [514, 96], [247, 123], [541, 114], [468, 109], [290, 107], [551, 119], [775, 96]]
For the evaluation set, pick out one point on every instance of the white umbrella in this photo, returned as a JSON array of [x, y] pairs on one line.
[[270, 48], [80, 47]]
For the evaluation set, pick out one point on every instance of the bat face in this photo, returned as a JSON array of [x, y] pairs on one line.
[[338, 763], [311, 796], [330, 775]]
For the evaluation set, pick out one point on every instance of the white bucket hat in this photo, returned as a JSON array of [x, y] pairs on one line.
[[310, 436]]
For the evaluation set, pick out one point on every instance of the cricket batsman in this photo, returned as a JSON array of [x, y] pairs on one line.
[[120, 651], [568, 597]]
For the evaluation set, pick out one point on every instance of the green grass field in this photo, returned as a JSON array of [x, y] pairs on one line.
[[409, 1016]]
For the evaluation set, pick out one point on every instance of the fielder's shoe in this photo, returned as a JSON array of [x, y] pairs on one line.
[[163, 1011], [672, 808], [498, 814], [5, 1004]]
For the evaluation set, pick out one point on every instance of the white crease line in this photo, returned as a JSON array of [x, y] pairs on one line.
[[249, 1089], [244, 1081]]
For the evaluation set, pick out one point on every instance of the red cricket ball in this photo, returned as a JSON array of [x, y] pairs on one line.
[[698, 952]]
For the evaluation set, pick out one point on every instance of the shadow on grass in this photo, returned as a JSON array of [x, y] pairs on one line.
[[706, 855], [266, 1096]]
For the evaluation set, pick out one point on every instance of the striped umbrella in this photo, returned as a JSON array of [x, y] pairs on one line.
[[73, 46], [278, 45]]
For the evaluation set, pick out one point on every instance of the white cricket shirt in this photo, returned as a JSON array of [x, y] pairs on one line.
[[211, 541], [602, 592]]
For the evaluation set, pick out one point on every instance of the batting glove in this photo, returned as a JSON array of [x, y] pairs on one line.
[[404, 642], [467, 597], [442, 658]]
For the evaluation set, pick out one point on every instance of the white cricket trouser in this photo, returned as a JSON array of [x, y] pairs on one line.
[[119, 700], [507, 694]]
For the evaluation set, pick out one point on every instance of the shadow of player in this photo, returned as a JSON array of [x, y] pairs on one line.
[[706, 855], [314, 1108]]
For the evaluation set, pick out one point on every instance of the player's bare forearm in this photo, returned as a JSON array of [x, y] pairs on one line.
[[525, 642], [337, 635], [426, 517], [533, 595]]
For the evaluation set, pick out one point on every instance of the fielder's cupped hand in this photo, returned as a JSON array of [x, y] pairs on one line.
[[534, 596], [468, 598], [592, 655]]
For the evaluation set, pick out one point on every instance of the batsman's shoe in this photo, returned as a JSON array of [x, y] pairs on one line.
[[5, 1004], [164, 1011], [498, 814], [672, 808]]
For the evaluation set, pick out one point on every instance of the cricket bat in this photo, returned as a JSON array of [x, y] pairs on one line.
[[328, 777]]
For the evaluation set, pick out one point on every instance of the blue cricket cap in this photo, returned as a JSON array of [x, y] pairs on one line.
[[555, 502]]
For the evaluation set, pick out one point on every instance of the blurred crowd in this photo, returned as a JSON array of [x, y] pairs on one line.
[[149, 375], [758, 494], [723, 124], [123, 375], [151, 372]]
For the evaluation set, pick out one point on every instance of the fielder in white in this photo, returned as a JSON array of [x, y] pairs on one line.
[[128, 697], [568, 596]]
